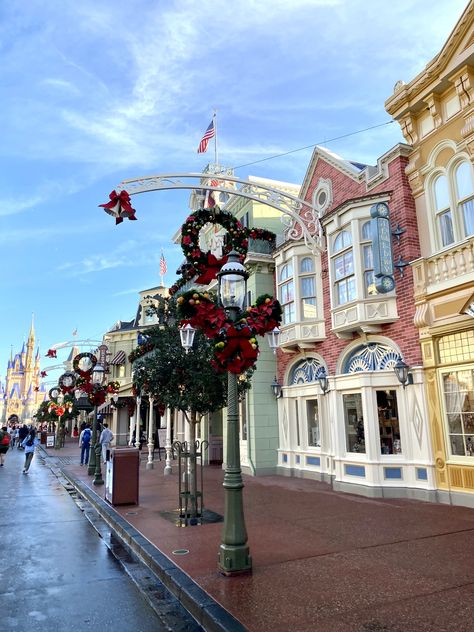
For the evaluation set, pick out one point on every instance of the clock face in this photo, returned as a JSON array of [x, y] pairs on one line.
[[54, 392], [385, 284], [382, 209]]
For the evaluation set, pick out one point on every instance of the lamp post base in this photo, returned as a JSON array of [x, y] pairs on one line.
[[234, 560], [98, 480], [91, 467]]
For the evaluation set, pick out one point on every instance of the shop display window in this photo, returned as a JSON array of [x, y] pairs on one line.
[[354, 421], [458, 394], [312, 417], [389, 425]]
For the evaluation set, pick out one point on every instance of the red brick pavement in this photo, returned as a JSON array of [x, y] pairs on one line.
[[322, 561]]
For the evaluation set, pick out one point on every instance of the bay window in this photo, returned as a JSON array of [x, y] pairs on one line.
[[286, 290], [343, 264], [307, 288]]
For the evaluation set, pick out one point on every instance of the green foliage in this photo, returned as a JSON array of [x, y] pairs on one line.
[[187, 382]]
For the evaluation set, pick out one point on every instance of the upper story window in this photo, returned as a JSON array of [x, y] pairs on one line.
[[307, 282], [453, 203], [286, 291], [368, 260], [343, 266]]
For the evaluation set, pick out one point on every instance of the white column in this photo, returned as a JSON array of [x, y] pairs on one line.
[[150, 465], [168, 468], [135, 422]]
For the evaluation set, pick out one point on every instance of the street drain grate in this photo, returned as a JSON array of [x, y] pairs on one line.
[[131, 513], [180, 551]]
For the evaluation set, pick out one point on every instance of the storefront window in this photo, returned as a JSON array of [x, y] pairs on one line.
[[312, 417], [458, 393], [354, 420], [243, 418], [389, 425]]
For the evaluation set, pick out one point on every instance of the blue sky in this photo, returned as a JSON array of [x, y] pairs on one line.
[[97, 91]]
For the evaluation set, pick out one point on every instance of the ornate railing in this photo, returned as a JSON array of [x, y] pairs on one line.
[[445, 269]]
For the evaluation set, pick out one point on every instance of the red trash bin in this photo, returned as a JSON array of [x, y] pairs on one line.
[[121, 476]]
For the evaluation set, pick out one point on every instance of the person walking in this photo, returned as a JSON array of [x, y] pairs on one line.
[[85, 444], [29, 444], [5, 439], [106, 438], [22, 434]]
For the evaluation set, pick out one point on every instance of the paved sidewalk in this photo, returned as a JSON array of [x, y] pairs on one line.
[[322, 561]]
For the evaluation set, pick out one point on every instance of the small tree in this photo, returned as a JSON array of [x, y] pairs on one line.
[[178, 380]]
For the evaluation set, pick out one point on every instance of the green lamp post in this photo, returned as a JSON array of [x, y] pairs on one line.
[[94, 462], [234, 556]]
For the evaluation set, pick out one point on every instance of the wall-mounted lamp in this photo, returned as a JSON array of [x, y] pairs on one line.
[[323, 382], [402, 372], [401, 265], [276, 388]]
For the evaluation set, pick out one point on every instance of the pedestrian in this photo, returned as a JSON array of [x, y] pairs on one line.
[[15, 436], [106, 438], [85, 444], [75, 432], [22, 434], [83, 425], [29, 444], [5, 439]]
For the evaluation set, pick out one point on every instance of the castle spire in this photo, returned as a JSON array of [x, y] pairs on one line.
[[32, 328]]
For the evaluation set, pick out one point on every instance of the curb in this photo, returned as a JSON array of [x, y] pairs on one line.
[[206, 611]]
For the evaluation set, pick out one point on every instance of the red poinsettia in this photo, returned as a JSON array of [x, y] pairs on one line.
[[51, 353], [43, 374]]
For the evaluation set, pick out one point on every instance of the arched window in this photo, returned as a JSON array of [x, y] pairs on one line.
[[444, 219], [306, 371], [374, 356], [465, 196], [343, 266]]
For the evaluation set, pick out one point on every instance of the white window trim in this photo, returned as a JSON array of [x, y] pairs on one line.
[[295, 259]]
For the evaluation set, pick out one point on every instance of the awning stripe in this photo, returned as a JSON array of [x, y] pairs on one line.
[[119, 358]]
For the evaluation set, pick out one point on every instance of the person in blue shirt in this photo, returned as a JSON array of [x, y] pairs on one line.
[[85, 444], [29, 443]]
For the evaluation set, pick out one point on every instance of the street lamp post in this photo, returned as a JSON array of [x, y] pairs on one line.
[[57, 442], [234, 555], [97, 377]]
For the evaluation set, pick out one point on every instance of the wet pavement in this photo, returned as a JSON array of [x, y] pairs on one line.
[[322, 561], [59, 571]]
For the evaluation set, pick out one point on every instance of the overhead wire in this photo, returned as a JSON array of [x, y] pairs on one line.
[[329, 140]]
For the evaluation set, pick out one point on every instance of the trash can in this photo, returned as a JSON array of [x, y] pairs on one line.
[[121, 476], [43, 437]]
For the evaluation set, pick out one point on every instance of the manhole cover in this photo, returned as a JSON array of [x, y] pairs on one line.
[[180, 552]]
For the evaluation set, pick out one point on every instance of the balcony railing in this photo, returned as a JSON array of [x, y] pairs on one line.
[[444, 270]]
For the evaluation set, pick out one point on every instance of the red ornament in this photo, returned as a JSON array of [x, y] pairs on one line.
[[51, 353], [120, 206]]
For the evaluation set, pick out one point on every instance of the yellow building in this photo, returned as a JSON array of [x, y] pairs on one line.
[[22, 393], [436, 113]]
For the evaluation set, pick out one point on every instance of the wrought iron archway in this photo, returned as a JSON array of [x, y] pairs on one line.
[[300, 218]]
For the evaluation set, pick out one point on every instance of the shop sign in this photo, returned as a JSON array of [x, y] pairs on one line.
[[382, 248]]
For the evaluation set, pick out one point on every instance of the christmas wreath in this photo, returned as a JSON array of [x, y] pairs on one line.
[[205, 265], [236, 346], [75, 365]]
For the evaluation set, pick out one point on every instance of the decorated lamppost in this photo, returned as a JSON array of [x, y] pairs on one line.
[[97, 379], [234, 554]]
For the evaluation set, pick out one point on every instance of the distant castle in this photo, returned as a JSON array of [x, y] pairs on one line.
[[22, 392]]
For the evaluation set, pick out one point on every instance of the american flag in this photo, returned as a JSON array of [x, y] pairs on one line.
[[208, 134], [163, 266]]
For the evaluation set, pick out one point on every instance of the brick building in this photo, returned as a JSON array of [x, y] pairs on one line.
[[344, 320]]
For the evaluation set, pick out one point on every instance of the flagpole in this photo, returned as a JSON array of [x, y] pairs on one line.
[[215, 138]]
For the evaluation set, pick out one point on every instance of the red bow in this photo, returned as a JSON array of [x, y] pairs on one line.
[[120, 206], [238, 354], [51, 353], [210, 269]]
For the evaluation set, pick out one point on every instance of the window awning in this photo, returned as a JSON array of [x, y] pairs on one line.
[[119, 358]]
